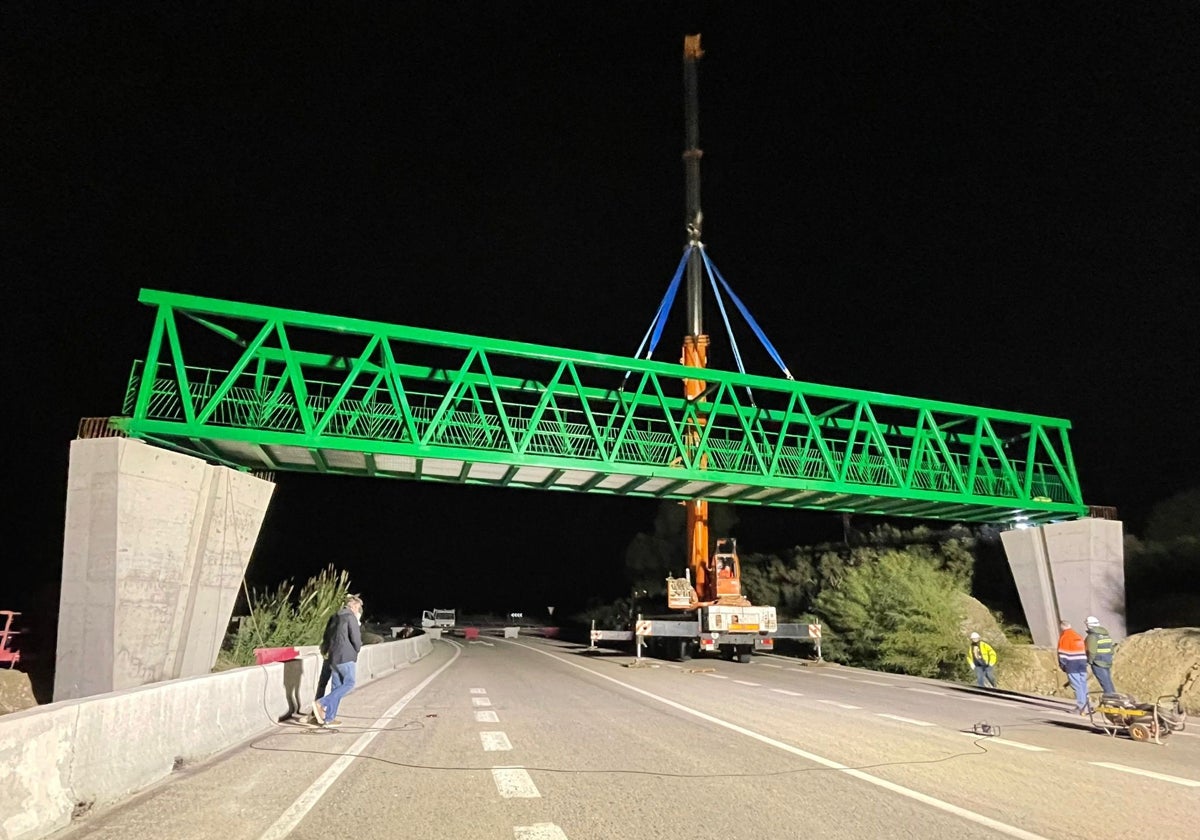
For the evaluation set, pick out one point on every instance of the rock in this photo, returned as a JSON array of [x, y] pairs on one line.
[[16, 693]]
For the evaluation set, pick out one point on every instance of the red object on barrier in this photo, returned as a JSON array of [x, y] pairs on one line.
[[8, 654], [470, 633], [262, 656]]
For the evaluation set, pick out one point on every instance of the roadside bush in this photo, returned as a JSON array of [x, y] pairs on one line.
[[898, 613], [277, 619]]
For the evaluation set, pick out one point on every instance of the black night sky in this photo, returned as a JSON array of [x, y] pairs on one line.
[[992, 204]]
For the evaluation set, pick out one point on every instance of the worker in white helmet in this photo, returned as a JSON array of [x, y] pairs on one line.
[[1100, 648], [982, 657]]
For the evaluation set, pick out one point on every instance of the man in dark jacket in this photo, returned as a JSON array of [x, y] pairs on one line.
[[341, 644], [1100, 649]]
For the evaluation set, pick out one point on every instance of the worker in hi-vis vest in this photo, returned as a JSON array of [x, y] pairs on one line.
[[1100, 647], [982, 657]]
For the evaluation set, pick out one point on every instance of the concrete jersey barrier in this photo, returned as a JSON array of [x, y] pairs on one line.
[[99, 750]]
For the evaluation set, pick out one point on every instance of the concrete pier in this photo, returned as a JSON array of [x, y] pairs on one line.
[[1069, 570], [154, 550]]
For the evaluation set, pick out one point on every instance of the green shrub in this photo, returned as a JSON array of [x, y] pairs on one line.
[[897, 613], [278, 620]]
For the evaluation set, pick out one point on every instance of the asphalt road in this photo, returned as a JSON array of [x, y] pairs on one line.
[[540, 740]]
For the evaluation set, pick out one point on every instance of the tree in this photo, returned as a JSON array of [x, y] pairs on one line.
[[1176, 517], [649, 558]]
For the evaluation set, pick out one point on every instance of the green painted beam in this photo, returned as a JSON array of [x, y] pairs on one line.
[[291, 390]]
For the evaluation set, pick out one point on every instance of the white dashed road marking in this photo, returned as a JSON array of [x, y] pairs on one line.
[[539, 831], [479, 691], [863, 776], [788, 693], [514, 783], [991, 740], [494, 741], [743, 682], [480, 701], [487, 717], [1162, 777], [839, 705], [906, 720]]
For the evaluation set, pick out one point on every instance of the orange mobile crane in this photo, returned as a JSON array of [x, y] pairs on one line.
[[714, 614]]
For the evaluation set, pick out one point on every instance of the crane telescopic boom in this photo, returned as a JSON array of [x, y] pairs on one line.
[[714, 579]]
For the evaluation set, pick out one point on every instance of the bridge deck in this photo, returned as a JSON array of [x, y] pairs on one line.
[[314, 393]]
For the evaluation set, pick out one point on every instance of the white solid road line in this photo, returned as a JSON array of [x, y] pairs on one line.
[[295, 812], [514, 783], [487, 717], [494, 741], [744, 682], [839, 705], [788, 693], [1162, 777], [905, 720], [927, 691], [480, 701], [989, 702], [479, 691], [539, 831], [990, 739], [861, 775]]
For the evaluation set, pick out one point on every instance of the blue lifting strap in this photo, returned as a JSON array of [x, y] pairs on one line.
[[660, 317], [766, 343]]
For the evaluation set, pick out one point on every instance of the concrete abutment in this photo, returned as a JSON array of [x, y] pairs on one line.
[[1069, 570], [154, 550]]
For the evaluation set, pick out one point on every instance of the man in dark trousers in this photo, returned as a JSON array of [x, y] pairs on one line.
[[1100, 649], [343, 640]]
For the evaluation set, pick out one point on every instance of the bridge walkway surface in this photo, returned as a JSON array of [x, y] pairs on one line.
[[532, 738]]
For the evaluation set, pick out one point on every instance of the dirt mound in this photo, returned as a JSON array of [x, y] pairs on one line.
[[1162, 661], [16, 693], [1146, 665], [978, 619]]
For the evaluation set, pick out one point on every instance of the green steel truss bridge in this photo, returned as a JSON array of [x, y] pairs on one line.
[[261, 388]]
